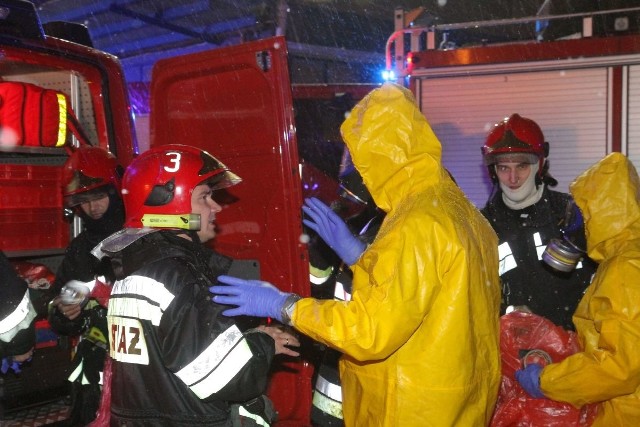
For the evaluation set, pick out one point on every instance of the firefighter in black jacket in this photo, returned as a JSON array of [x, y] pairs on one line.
[[526, 215], [177, 361], [91, 187]]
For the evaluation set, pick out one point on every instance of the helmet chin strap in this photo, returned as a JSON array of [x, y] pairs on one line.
[[528, 193], [190, 234], [194, 236]]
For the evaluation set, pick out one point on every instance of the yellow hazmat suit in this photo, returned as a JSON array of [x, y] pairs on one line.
[[608, 317], [420, 336]]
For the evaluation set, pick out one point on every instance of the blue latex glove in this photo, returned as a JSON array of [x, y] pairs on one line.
[[529, 379], [252, 297], [10, 363], [333, 230]]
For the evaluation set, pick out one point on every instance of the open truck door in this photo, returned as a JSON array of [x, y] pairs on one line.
[[236, 104]]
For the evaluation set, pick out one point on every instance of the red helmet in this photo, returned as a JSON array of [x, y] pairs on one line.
[[89, 174], [516, 135], [157, 185]]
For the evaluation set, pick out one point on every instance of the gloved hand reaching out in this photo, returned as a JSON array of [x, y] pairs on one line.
[[529, 379], [252, 297], [333, 230]]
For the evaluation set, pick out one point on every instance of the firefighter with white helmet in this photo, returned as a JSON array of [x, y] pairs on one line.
[[527, 215], [176, 359]]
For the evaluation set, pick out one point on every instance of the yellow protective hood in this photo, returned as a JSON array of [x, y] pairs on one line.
[[402, 150], [420, 335], [607, 319], [608, 194]]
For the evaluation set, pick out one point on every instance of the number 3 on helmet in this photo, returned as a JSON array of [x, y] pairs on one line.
[[159, 184]]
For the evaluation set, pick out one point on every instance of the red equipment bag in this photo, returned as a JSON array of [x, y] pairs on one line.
[[527, 338], [33, 116]]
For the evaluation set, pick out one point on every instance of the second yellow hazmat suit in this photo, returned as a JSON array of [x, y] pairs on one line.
[[420, 336], [608, 317]]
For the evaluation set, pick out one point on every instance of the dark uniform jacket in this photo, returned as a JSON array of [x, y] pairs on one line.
[[177, 361], [79, 264], [526, 280]]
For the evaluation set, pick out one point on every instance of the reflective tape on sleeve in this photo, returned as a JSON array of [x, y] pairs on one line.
[[318, 276], [257, 418], [217, 364], [537, 240], [327, 405], [326, 387], [76, 372], [506, 261], [340, 293]]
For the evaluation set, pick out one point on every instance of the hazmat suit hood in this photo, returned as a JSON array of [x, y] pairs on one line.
[[608, 195], [426, 294], [402, 151], [607, 370]]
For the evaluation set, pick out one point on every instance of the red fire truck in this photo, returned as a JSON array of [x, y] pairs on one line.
[[235, 102]]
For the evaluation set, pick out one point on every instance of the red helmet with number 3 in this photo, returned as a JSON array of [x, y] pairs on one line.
[[157, 185], [516, 137], [89, 174]]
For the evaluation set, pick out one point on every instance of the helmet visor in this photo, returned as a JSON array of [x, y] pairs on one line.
[[86, 196], [491, 159], [351, 187], [222, 180]]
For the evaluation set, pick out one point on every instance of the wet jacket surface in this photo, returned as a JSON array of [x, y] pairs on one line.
[[526, 280], [177, 361], [420, 335], [608, 317]]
